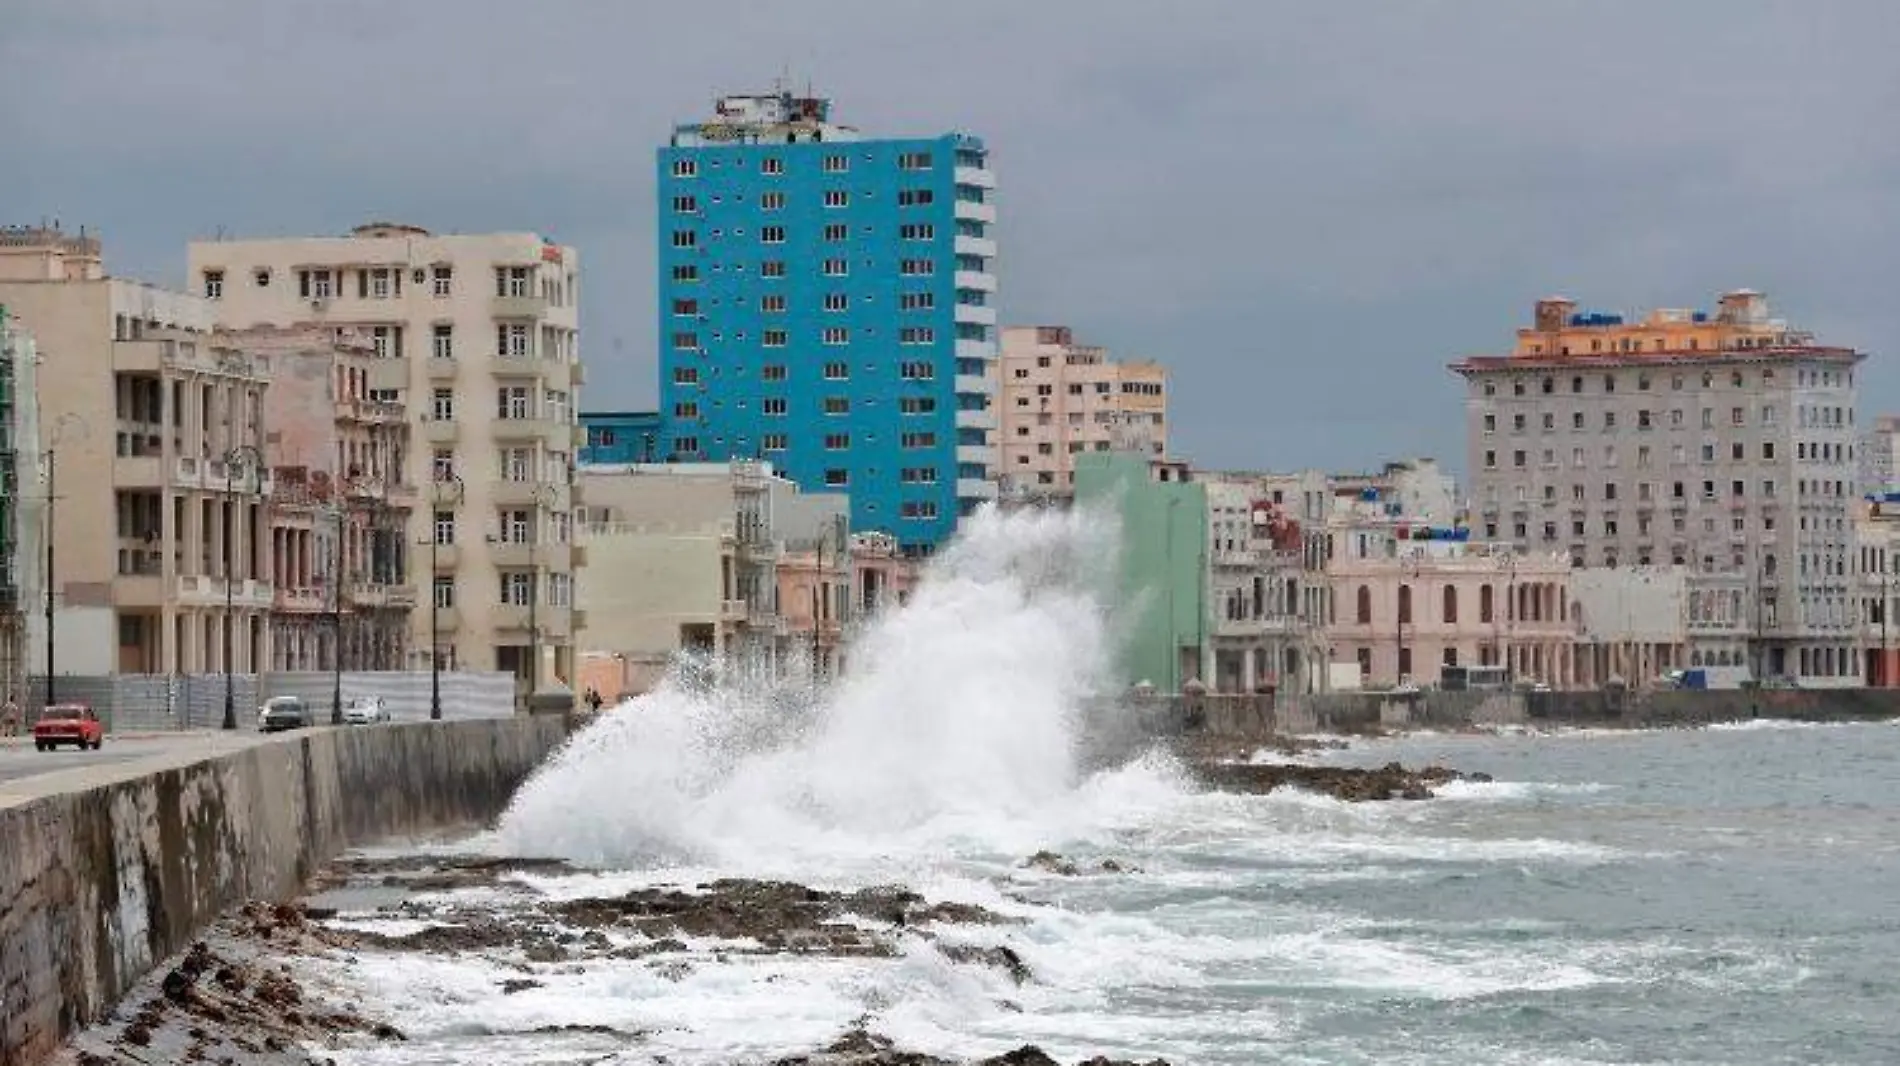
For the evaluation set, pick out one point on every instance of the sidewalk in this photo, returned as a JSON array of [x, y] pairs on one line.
[[26, 739]]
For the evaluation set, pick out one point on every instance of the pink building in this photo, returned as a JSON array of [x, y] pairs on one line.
[[1059, 399]]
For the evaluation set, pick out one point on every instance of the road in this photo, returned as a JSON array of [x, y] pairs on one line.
[[18, 759]]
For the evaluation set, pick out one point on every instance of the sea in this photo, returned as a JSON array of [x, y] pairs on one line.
[[1720, 895]]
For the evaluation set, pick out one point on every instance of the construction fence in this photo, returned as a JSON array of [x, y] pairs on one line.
[[163, 702]]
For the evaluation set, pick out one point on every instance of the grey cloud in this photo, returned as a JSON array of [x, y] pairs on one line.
[[1305, 209]]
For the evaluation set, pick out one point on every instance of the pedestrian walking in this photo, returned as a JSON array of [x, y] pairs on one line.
[[10, 718]]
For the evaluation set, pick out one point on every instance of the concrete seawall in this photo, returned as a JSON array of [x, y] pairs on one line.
[[104, 872]]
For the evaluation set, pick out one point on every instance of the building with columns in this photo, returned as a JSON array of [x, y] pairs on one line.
[[152, 431], [1408, 598]]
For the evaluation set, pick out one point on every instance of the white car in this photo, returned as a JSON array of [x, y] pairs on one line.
[[365, 710]]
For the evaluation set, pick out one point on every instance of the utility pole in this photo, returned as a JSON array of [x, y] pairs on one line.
[[245, 453], [52, 508], [340, 496]]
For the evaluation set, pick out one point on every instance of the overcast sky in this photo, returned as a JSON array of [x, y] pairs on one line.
[[1304, 209]]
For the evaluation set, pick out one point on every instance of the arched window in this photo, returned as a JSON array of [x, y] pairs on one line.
[[1365, 606], [1405, 604], [1451, 606], [1487, 609]]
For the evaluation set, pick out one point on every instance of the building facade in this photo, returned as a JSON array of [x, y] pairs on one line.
[[1057, 399], [617, 437], [827, 305], [1265, 631], [1721, 441], [20, 513], [477, 338], [341, 502], [152, 434], [1163, 565]]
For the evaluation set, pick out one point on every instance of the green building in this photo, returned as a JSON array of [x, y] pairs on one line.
[[1162, 610]]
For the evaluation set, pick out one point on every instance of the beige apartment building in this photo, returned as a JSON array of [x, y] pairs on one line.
[[341, 501], [477, 338], [152, 432], [1723, 441], [1059, 399]]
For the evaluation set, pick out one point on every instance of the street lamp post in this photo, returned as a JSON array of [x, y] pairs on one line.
[[249, 455], [449, 490]]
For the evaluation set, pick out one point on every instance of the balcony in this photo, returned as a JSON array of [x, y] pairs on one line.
[[138, 590], [982, 246], [374, 596], [519, 307], [447, 556], [971, 385], [441, 431], [577, 373], [732, 610], [147, 357], [970, 488], [982, 316], [388, 374], [985, 350], [301, 599], [447, 619], [536, 429], [441, 369], [372, 412], [981, 177], [204, 591], [514, 555], [976, 419], [188, 473], [981, 454], [509, 618], [520, 366], [1236, 557], [976, 212], [525, 493], [970, 279]]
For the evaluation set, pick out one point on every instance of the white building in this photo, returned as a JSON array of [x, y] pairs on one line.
[[479, 337]]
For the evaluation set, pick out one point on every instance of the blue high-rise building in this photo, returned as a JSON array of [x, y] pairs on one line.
[[827, 304], [615, 437]]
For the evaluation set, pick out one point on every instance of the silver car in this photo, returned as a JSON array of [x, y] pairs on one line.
[[365, 710]]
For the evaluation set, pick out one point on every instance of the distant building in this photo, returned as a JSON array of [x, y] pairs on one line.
[[151, 426], [621, 437], [1058, 399], [1877, 536], [1162, 606], [1878, 448], [685, 557], [826, 304], [1409, 598], [1723, 442], [1266, 629], [477, 336]]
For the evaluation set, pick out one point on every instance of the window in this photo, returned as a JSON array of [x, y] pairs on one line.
[[511, 339], [686, 446], [913, 161], [772, 234], [314, 284], [772, 201], [511, 402], [214, 284], [686, 410], [686, 272], [517, 464], [445, 592], [772, 405], [915, 197], [917, 371], [773, 442], [774, 338], [837, 198], [917, 301], [837, 405], [918, 440], [917, 231], [442, 405], [1735, 416], [771, 165], [686, 342], [838, 371], [772, 372], [685, 375], [917, 268], [685, 168], [773, 304], [837, 163], [442, 464], [916, 335], [442, 341], [1490, 423], [517, 588], [836, 231], [836, 268], [836, 335], [511, 281], [772, 268], [917, 405], [837, 442], [1451, 604], [685, 205], [835, 478], [445, 527], [1768, 451], [837, 301], [685, 238]]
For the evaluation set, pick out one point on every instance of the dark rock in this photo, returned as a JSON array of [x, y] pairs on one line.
[[1003, 958], [518, 984], [1352, 784], [1051, 862]]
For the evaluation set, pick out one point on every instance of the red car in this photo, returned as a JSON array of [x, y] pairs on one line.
[[68, 723]]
